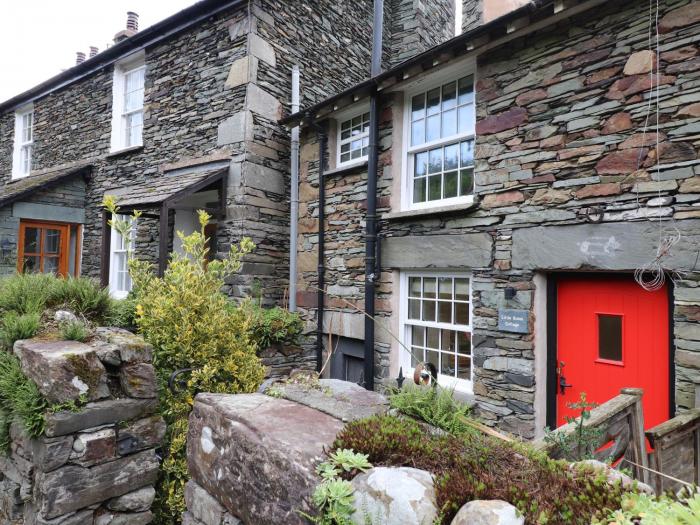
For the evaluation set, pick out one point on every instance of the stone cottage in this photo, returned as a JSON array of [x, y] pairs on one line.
[[520, 181], [178, 117]]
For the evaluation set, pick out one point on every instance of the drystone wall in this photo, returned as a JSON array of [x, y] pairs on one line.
[[97, 464], [566, 178]]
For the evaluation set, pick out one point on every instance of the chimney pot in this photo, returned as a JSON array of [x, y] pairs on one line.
[[79, 58], [132, 21], [93, 51]]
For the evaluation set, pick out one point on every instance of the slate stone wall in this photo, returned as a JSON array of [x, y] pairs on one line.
[[97, 463], [213, 92], [418, 25], [560, 146], [472, 14]]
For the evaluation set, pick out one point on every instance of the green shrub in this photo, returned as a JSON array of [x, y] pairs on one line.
[[26, 293], [190, 324], [14, 326], [82, 296], [123, 313], [268, 326], [436, 406], [74, 331], [647, 510], [20, 399], [475, 466]]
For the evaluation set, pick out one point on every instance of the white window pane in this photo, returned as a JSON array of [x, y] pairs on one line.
[[435, 161], [466, 119], [449, 96], [418, 132], [418, 107], [449, 123], [466, 90], [433, 128], [462, 289], [467, 153], [433, 103]]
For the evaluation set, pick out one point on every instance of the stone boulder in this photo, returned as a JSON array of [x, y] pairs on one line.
[[395, 496], [614, 476], [340, 399], [256, 455], [488, 512], [63, 370]]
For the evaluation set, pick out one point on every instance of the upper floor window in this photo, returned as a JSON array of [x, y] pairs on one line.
[[353, 139], [440, 163], [24, 141], [127, 104]]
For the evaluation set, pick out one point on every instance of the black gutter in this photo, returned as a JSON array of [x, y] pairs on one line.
[[321, 268], [149, 36], [371, 220]]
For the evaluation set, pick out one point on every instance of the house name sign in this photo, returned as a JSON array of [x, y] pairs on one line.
[[516, 321]]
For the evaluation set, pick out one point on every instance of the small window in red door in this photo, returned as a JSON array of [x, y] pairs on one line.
[[610, 338]]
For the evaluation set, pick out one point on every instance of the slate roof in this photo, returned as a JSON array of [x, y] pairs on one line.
[[20, 188], [152, 192]]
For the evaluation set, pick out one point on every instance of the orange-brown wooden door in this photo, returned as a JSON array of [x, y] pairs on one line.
[[612, 334], [43, 247]]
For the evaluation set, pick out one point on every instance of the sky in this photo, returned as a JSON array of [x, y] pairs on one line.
[[39, 38]]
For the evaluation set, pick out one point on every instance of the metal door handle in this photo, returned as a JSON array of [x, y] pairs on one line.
[[563, 385]]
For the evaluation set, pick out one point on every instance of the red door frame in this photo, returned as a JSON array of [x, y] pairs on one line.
[[552, 282]]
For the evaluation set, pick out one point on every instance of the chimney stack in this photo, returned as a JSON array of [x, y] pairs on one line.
[[93, 51], [132, 27], [79, 58]]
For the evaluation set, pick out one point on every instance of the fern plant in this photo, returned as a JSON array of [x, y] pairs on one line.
[[648, 510], [436, 406]]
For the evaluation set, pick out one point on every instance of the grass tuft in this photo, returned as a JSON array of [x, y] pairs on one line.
[[74, 331]]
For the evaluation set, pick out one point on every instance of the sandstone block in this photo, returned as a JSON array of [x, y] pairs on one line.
[[132, 348], [395, 496], [268, 475], [623, 161], [118, 518], [73, 487], [347, 401], [138, 380], [640, 62], [202, 505], [507, 120], [681, 17], [96, 414], [136, 501], [63, 370], [141, 434], [90, 448]]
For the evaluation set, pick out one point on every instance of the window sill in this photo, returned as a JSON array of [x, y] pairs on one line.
[[346, 168], [124, 151], [437, 210]]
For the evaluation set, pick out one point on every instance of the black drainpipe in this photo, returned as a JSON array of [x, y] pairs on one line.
[[320, 301], [371, 222]]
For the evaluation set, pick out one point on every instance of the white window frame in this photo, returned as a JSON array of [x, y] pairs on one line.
[[120, 115], [461, 385], [342, 119], [23, 146], [449, 74], [117, 248]]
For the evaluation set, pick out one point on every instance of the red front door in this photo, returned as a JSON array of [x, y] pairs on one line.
[[612, 334]]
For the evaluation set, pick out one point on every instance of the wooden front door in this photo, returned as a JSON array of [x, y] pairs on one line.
[[43, 247], [612, 334]]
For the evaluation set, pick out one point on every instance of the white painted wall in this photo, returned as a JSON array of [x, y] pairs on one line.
[[186, 221]]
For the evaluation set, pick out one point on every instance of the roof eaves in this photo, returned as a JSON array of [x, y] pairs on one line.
[[532, 16], [43, 181]]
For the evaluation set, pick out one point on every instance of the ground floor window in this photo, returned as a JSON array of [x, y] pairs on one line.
[[436, 325], [49, 247], [119, 278]]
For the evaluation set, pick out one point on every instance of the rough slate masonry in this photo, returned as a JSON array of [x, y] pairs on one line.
[[566, 179], [213, 94]]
